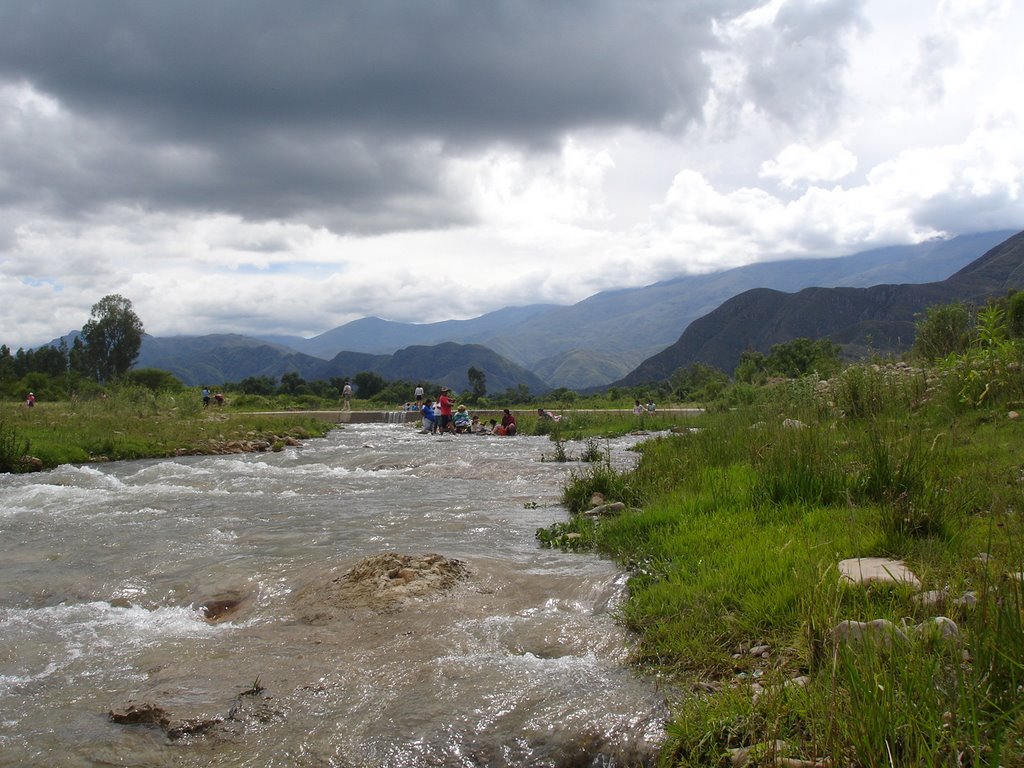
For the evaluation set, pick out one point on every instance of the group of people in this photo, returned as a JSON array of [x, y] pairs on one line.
[[444, 417], [218, 398], [640, 409]]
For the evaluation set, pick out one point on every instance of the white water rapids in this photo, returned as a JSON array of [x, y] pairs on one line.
[[103, 569]]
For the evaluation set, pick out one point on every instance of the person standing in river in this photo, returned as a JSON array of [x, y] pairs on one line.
[[427, 413], [445, 425]]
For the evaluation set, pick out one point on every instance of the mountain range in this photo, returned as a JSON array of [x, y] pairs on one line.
[[612, 336], [879, 318]]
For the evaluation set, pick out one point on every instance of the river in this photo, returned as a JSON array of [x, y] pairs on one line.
[[104, 570]]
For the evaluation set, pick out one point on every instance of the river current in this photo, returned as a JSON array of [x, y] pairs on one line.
[[104, 569]]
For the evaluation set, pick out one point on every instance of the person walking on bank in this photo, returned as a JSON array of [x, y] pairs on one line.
[[346, 396]]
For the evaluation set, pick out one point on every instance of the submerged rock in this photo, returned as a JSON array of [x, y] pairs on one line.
[[222, 607], [141, 714], [151, 714], [250, 709]]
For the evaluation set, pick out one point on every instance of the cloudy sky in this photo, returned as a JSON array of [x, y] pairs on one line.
[[252, 166]]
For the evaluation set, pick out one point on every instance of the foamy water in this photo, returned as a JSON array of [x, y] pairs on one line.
[[104, 569]]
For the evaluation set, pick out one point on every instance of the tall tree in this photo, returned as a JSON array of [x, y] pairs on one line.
[[368, 383], [112, 337], [477, 382]]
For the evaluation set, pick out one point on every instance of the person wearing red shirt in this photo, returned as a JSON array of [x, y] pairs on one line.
[[508, 421], [446, 411]]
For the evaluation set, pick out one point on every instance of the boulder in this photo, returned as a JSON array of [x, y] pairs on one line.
[[384, 582], [879, 631], [939, 628]]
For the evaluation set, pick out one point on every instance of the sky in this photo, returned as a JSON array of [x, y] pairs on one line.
[[257, 167]]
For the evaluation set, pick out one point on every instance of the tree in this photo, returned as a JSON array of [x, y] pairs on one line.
[[368, 384], [53, 361], [477, 383], [292, 384], [802, 356], [78, 360], [944, 330], [154, 379], [112, 337], [563, 395], [698, 382], [1015, 314], [256, 385], [752, 367]]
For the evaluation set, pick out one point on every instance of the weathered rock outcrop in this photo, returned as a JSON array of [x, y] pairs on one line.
[[384, 582]]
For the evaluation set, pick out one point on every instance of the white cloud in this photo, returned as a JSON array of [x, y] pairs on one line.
[[921, 192], [798, 164]]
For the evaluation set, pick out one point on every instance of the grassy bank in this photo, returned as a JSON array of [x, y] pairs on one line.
[[134, 423], [732, 536], [582, 424]]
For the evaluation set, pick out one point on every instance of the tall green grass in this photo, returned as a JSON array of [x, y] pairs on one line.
[[13, 445], [732, 535]]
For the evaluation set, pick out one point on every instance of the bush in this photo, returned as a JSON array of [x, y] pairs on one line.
[[867, 391], [13, 447], [153, 379]]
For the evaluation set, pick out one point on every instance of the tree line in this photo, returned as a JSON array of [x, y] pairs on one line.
[[108, 345], [104, 350]]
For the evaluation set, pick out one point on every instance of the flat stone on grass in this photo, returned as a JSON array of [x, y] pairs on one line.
[[877, 570]]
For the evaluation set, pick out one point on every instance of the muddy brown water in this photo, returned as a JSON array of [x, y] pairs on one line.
[[175, 585]]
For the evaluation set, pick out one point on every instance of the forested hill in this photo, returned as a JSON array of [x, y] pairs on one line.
[[220, 358], [880, 318]]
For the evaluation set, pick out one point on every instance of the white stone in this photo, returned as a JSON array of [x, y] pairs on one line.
[[941, 627], [881, 631], [867, 570]]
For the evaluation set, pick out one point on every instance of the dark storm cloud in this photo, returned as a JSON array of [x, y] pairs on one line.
[[797, 66], [319, 107]]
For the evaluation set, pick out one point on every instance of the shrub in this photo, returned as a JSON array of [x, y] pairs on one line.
[[867, 391], [13, 447], [600, 478]]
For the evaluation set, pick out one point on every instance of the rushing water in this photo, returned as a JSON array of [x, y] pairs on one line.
[[103, 569]]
